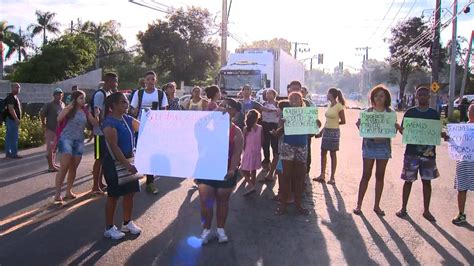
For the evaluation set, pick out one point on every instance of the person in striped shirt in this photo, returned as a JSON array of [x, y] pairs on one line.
[[464, 178]]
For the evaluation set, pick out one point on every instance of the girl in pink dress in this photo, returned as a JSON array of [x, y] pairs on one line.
[[252, 159]]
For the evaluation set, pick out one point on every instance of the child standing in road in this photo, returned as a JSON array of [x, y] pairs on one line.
[[420, 158], [464, 179], [252, 159]]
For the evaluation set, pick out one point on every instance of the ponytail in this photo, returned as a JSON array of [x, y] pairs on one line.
[[337, 94]]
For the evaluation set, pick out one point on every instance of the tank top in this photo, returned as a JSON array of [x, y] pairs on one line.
[[195, 106]]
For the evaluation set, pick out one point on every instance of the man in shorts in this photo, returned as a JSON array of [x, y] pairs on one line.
[[420, 158]]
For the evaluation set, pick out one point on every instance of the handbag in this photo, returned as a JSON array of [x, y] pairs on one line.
[[123, 175]]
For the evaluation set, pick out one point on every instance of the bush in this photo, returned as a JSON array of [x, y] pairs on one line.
[[31, 133]]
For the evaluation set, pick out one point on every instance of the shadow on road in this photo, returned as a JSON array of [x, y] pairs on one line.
[[402, 246]]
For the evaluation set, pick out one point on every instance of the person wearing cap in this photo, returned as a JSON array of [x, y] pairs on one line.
[[49, 115]]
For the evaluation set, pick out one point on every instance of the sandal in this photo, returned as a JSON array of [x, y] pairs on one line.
[[357, 211], [97, 192], [70, 197], [332, 182], [53, 170], [429, 217], [401, 213], [379, 212], [319, 179]]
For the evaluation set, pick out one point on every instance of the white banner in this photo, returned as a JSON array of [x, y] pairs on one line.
[[190, 144], [461, 142]]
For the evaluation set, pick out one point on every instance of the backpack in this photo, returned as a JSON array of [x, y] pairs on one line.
[[92, 106], [61, 126], [140, 99]]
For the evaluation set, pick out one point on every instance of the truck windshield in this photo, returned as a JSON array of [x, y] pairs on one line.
[[235, 82]]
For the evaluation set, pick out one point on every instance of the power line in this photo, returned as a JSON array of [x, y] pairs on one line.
[[396, 15], [384, 16], [422, 42]]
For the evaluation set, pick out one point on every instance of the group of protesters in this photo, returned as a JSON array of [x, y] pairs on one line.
[[254, 127]]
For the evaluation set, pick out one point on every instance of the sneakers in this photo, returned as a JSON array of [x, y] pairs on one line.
[[206, 236], [221, 236], [150, 188], [459, 219], [113, 233], [131, 228]]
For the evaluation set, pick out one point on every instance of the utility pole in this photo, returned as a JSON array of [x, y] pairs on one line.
[[296, 46], [72, 26], [224, 34], [466, 66], [452, 72], [435, 52], [365, 73]]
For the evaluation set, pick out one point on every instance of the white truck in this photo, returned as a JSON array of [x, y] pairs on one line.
[[261, 69]]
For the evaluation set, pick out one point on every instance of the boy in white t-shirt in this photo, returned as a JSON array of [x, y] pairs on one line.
[[149, 98]]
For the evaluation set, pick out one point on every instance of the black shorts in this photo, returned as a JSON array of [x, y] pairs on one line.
[[110, 173], [99, 146], [228, 183]]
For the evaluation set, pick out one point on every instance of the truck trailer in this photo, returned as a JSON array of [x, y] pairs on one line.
[[261, 69]]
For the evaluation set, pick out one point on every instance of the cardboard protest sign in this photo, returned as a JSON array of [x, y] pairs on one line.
[[377, 124], [461, 142], [192, 144], [421, 131], [300, 120]]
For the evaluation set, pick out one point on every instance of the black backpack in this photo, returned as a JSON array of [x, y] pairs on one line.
[[91, 106], [140, 99]]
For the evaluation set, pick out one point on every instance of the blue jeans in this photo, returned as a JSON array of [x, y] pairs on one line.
[[11, 138]]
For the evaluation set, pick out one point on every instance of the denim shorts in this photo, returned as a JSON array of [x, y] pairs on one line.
[[376, 149], [75, 147]]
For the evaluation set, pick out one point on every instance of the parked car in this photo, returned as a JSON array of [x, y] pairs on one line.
[[469, 97], [319, 100], [184, 99]]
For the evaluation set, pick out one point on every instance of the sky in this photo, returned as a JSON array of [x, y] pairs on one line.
[[334, 28]]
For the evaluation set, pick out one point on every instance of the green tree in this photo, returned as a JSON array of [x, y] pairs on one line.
[[60, 59], [5, 38], [45, 23], [105, 36], [276, 43], [406, 55], [179, 48], [20, 42]]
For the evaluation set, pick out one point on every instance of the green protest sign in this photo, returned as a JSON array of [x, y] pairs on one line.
[[377, 124], [421, 131], [300, 120]]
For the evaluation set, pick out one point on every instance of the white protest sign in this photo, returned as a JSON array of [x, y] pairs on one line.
[[461, 142], [192, 144]]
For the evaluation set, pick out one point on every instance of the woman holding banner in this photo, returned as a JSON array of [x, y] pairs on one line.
[[375, 150], [119, 130], [464, 179], [211, 191]]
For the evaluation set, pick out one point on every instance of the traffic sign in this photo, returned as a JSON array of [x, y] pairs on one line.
[[435, 87]]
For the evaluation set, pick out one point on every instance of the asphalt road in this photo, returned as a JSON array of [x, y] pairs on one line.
[[33, 232]]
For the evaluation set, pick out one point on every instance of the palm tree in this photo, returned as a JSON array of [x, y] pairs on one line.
[[104, 36], [5, 37], [19, 43], [45, 24]]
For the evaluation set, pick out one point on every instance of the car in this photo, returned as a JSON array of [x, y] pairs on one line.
[[184, 99], [469, 97], [319, 100]]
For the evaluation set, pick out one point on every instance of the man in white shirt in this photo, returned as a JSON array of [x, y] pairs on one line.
[[149, 98]]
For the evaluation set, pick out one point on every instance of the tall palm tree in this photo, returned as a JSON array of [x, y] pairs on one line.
[[45, 24], [5, 37], [19, 43], [104, 36]]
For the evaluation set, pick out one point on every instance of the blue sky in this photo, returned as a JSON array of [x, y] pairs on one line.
[[334, 28]]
